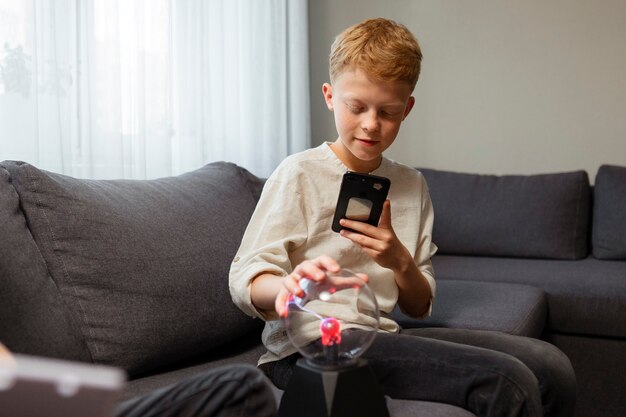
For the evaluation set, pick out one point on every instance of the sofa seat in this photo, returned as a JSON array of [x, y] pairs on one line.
[[245, 350], [521, 309], [585, 297]]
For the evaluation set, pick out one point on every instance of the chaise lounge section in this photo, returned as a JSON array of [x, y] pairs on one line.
[[554, 233]]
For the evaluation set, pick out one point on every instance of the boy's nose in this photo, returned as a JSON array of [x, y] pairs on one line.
[[370, 123]]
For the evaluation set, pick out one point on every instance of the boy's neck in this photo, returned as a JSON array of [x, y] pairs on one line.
[[352, 162]]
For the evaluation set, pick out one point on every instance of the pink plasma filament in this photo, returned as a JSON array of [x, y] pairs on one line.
[[331, 331]]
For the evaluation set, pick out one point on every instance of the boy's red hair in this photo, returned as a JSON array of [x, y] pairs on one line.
[[382, 48]]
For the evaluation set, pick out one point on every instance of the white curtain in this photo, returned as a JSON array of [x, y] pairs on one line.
[[151, 88]]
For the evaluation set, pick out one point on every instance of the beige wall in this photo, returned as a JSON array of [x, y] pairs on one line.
[[507, 87]]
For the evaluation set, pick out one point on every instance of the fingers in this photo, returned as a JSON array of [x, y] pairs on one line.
[[368, 229], [385, 217], [340, 282], [281, 302], [327, 263], [292, 284], [357, 226], [380, 243], [363, 277], [375, 241], [315, 270]]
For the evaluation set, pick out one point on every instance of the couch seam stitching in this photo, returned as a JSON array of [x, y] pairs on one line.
[[580, 188], [533, 312], [53, 240]]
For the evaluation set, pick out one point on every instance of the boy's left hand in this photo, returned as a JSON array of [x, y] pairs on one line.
[[381, 243]]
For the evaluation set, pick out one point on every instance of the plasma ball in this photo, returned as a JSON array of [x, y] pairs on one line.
[[331, 331]]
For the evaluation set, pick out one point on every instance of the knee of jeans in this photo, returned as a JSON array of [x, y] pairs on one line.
[[558, 367], [245, 372], [245, 369], [506, 384], [518, 374], [558, 359]]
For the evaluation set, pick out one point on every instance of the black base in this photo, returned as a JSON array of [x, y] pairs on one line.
[[343, 391]]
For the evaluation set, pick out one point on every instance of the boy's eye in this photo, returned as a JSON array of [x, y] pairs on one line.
[[355, 109], [388, 113]]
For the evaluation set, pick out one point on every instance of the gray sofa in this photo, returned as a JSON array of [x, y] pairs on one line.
[[558, 235], [134, 273]]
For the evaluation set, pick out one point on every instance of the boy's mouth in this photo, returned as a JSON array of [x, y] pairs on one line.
[[366, 142]]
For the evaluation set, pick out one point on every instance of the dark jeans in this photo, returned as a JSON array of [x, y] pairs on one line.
[[489, 373], [236, 390]]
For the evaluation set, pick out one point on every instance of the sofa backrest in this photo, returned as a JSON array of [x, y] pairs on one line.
[[609, 213], [34, 318], [530, 216], [126, 273]]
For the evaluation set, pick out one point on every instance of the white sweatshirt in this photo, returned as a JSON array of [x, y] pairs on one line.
[[292, 223]]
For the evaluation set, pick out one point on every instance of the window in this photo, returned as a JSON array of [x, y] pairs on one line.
[[151, 88]]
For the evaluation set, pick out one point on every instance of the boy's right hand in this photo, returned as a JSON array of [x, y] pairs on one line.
[[315, 270]]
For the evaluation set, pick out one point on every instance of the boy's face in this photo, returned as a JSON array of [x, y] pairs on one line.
[[368, 114]]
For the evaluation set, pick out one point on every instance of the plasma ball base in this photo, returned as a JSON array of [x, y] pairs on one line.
[[315, 391]]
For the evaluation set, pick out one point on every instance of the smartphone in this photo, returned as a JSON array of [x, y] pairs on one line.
[[361, 198]]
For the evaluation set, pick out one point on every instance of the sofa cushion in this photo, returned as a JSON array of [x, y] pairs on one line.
[[396, 407], [609, 208], [534, 216], [585, 297], [510, 308], [143, 264], [33, 317]]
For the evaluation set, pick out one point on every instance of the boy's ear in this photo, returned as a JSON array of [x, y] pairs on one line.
[[409, 106], [327, 90]]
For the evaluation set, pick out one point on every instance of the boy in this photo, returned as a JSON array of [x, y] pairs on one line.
[[374, 67]]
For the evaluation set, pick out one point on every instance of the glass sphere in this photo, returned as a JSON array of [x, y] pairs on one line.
[[335, 321]]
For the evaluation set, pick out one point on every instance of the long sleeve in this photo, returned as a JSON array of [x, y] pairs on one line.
[[275, 229], [425, 246]]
